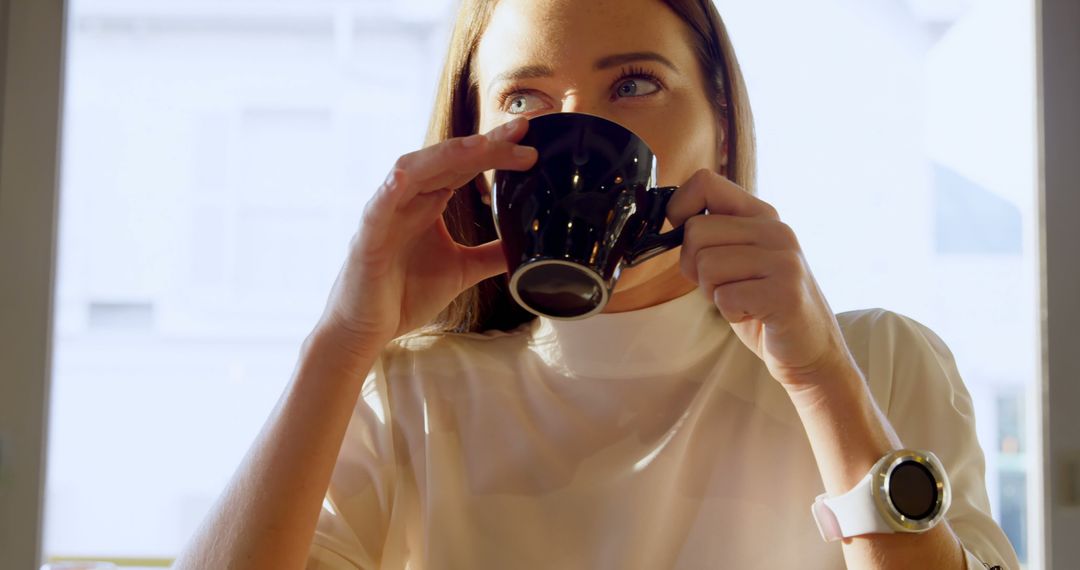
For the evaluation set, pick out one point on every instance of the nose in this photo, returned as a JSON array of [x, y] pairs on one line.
[[576, 104]]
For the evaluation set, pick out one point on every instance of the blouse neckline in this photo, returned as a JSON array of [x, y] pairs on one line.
[[663, 339]]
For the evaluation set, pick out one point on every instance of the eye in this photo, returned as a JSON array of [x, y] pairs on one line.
[[636, 87], [517, 102]]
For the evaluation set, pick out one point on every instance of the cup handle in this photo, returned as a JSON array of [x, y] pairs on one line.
[[653, 243]]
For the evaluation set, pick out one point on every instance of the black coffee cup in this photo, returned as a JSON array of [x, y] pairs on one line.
[[584, 211]]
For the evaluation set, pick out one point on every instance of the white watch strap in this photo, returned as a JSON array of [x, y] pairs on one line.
[[851, 514]]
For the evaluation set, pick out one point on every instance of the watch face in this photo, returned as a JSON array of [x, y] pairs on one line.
[[913, 490]]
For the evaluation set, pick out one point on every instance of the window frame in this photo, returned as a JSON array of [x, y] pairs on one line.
[[31, 88], [1058, 43]]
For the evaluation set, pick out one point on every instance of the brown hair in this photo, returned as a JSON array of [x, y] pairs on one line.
[[488, 305]]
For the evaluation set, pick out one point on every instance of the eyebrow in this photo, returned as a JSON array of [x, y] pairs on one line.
[[534, 71], [621, 58]]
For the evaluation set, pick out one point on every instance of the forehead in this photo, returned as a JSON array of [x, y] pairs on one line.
[[563, 33]]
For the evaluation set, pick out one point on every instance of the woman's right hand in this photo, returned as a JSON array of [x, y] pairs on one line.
[[403, 267]]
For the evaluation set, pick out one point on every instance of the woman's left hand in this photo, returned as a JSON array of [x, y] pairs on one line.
[[751, 264]]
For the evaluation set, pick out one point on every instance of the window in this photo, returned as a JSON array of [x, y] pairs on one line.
[[898, 140], [216, 160], [217, 156]]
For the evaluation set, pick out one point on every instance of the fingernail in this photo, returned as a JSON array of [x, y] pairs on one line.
[[472, 141], [522, 151]]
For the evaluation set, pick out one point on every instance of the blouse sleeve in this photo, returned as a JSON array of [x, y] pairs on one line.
[[928, 405], [356, 511]]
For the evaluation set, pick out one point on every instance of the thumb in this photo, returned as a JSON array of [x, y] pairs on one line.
[[483, 261]]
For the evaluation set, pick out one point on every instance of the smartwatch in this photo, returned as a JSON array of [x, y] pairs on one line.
[[905, 491]]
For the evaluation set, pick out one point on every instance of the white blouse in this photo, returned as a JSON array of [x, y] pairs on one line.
[[650, 439]]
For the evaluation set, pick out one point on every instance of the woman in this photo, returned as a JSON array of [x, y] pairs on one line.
[[691, 425]]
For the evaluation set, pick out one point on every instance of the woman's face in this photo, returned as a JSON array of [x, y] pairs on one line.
[[626, 60]]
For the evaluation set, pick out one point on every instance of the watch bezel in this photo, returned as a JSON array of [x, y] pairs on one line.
[[882, 480]]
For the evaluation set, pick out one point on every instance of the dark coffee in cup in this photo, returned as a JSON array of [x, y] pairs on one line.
[[584, 211]]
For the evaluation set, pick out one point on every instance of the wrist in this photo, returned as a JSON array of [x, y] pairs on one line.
[[847, 431], [839, 384], [340, 349]]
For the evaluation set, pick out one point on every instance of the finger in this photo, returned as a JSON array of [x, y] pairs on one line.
[[746, 300], [511, 131], [420, 213], [452, 163], [376, 218], [387, 225], [456, 167], [725, 264], [483, 261], [707, 190], [761, 286], [719, 229]]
